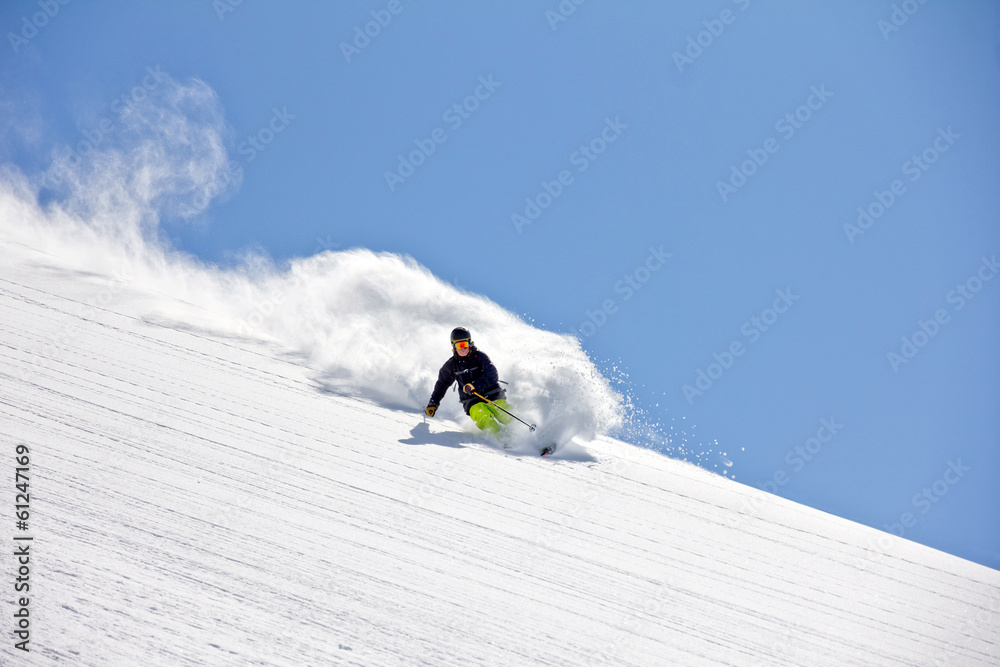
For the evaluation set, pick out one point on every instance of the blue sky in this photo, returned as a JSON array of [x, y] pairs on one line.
[[628, 132]]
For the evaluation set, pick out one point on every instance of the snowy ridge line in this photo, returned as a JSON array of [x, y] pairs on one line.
[[685, 511], [712, 481], [818, 543], [762, 590], [701, 556], [207, 503]]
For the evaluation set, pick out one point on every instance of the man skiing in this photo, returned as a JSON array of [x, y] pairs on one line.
[[475, 374]]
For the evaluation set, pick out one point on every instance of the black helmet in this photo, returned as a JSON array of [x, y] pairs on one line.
[[460, 333]]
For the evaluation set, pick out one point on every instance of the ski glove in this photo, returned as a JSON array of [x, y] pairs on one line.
[[469, 388], [430, 410]]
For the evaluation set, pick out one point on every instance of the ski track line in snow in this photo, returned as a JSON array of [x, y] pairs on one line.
[[200, 500]]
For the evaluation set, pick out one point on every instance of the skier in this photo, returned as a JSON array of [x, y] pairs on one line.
[[475, 373]]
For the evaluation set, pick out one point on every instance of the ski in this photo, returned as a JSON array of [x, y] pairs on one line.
[[548, 450]]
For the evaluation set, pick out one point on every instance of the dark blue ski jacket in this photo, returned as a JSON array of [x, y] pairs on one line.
[[475, 368]]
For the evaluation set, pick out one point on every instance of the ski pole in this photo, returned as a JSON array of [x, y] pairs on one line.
[[531, 427]]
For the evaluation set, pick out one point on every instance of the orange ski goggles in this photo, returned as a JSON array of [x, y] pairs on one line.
[[461, 344]]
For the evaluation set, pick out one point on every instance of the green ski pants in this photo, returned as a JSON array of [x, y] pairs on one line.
[[488, 418]]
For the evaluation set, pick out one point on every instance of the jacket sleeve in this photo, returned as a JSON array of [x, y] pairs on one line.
[[445, 377], [490, 376]]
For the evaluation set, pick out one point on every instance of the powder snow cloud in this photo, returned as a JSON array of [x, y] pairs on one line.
[[366, 324]]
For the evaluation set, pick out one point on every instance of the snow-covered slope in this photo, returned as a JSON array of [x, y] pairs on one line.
[[200, 499]]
